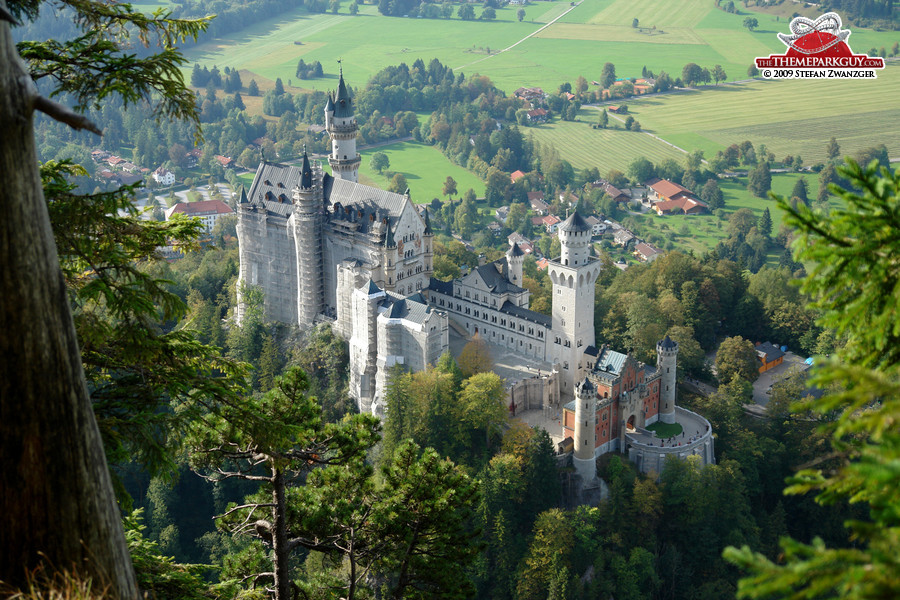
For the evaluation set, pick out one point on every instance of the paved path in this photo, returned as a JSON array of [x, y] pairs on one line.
[[532, 34]]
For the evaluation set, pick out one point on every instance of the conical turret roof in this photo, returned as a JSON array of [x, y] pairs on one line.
[[668, 344], [514, 250], [389, 236], [575, 222], [305, 173], [244, 199], [343, 104], [427, 223], [585, 388]]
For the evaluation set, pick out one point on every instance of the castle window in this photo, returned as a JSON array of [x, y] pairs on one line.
[[566, 365], [667, 369], [564, 309], [540, 333]]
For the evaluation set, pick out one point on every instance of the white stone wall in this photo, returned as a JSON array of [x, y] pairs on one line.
[[268, 261]]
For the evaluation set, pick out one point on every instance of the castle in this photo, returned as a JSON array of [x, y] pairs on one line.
[[324, 247]]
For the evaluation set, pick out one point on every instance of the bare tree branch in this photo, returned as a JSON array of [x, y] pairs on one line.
[[64, 114]]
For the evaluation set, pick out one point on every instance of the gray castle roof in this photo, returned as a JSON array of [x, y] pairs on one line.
[[575, 222], [611, 362], [514, 250], [494, 276], [409, 309], [345, 200], [526, 314], [305, 173], [441, 287]]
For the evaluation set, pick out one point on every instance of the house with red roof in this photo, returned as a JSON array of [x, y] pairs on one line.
[[225, 161], [538, 115], [516, 175], [551, 222], [671, 198]]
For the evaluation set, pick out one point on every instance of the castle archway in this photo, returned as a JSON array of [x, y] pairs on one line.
[[629, 426]]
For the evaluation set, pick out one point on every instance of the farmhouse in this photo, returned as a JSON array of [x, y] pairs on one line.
[[532, 94], [536, 199], [623, 237], [645, 252], [538, 115], [516, 175], [225, 161], [612, 191], [673, 198]]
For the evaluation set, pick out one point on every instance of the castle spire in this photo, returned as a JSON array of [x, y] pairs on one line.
[[305, 172], [388, 235], [427, 224]]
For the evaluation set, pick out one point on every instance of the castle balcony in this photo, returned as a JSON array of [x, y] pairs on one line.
[[344, 128], [649, 452]]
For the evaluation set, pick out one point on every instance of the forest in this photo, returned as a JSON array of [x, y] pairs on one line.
[[150, 444]]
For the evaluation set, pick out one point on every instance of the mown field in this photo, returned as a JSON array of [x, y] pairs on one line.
[[789, 117], [605, 149]]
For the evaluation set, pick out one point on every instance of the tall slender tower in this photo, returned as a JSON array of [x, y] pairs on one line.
[[573, 275], [666, 359], [428, 250], [305, 224], [340, 122], [515, 258], [585, 430]]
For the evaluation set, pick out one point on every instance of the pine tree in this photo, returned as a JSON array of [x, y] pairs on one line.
[[765, 223], [279, 87], [832, 150], [604, 119], [238, 101], [252, 88], [801, 191], [760, 181]]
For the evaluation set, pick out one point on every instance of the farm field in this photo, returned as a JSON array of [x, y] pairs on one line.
[[605, 149], [857, 113], [424, 167], [592, 33]]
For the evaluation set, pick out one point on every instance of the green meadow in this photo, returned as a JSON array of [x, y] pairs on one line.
[[424, 167], [701, 233]]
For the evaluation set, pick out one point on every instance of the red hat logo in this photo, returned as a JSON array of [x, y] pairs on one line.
[[816, 37]]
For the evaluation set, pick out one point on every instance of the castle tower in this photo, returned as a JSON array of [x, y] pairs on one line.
[[573, 275], [364, 345], [340, 122], [390, 258], [585, 430], [515, 258], [305, 224], [428, 250], [666, 358]]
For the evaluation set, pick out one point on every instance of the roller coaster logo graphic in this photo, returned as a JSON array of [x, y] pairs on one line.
[[818, 50]]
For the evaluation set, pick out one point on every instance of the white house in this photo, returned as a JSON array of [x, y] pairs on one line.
[[208, 211], [163, 176]]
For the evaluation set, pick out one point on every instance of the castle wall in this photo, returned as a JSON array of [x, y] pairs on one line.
[[267, 261], [651, 457]]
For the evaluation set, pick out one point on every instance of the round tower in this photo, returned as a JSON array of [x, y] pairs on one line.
[[666, 359], [515, 258], [585, 429], [306, 225], [575, 241], [340, 122]]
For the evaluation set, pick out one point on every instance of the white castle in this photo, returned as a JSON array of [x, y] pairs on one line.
[[325, 248]]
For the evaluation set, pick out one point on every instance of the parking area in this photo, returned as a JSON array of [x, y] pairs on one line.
[[792, 364]]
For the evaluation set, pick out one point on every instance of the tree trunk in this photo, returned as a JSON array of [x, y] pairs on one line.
[[56, 499], [279, 537]]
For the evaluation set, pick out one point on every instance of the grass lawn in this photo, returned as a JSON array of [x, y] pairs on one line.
[[665, 430], [605, 149], [701, 233], [424, 167]]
